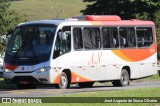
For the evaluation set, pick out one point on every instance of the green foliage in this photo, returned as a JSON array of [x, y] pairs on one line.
[[144, 16], [157, 21], [8, 20], [126, 9], [48, 9]]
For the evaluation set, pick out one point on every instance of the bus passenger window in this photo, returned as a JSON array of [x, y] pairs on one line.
[[127, 37], [91, 38], [144, 36], [110, 37], [123, 37], [131, 37], [77, 35]]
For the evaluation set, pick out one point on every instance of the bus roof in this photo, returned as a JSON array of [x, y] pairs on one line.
[[93, 20], [54, 22]]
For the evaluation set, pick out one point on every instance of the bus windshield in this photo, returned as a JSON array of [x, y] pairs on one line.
[[31, 43]]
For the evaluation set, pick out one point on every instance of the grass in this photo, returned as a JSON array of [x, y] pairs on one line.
[[78, 104], [151, 92], [154, 77], [157, 76], [3, 85], [145, 92], [48, 9], [83, 104]]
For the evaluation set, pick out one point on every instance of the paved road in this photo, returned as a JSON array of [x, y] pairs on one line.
[[51, 91]]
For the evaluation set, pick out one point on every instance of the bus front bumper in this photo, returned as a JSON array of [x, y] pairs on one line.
[[27, 78]]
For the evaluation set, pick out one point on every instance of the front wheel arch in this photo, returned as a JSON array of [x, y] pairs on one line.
[[65, 74]]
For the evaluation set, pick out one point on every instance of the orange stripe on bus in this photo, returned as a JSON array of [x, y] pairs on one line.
[[81, 79], [74, 77], [57, 79], [133, 55]]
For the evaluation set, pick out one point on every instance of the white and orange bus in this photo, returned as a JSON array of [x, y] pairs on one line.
[[80, 50]]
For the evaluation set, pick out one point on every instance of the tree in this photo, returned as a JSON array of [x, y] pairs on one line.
[[157, 21], [126, 9], [8, 20], [106, 7]]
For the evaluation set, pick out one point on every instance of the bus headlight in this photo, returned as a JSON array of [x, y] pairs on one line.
[[7, 70], [44, 69]]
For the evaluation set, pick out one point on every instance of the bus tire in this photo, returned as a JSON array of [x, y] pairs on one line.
[[124, 80], [26, 86], [64, 82], [85, 84]]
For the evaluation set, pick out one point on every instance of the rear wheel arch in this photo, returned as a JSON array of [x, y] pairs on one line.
[[128, 70], [124, 77]]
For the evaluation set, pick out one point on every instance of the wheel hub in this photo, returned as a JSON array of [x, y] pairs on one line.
[[63, 81], [124, 78]]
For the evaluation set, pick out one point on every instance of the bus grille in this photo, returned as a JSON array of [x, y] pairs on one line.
[[29, 79]]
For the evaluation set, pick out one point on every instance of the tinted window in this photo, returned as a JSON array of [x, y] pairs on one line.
[[127, 37], [91, 37], [110, 37], [144, 36], [77, 35], [31, 41]]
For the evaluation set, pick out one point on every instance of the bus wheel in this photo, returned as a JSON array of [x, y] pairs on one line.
[[26, 86], [64, 82], [85, 84], [124, 80]]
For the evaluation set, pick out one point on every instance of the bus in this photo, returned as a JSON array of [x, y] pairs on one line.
[[80, 50]]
